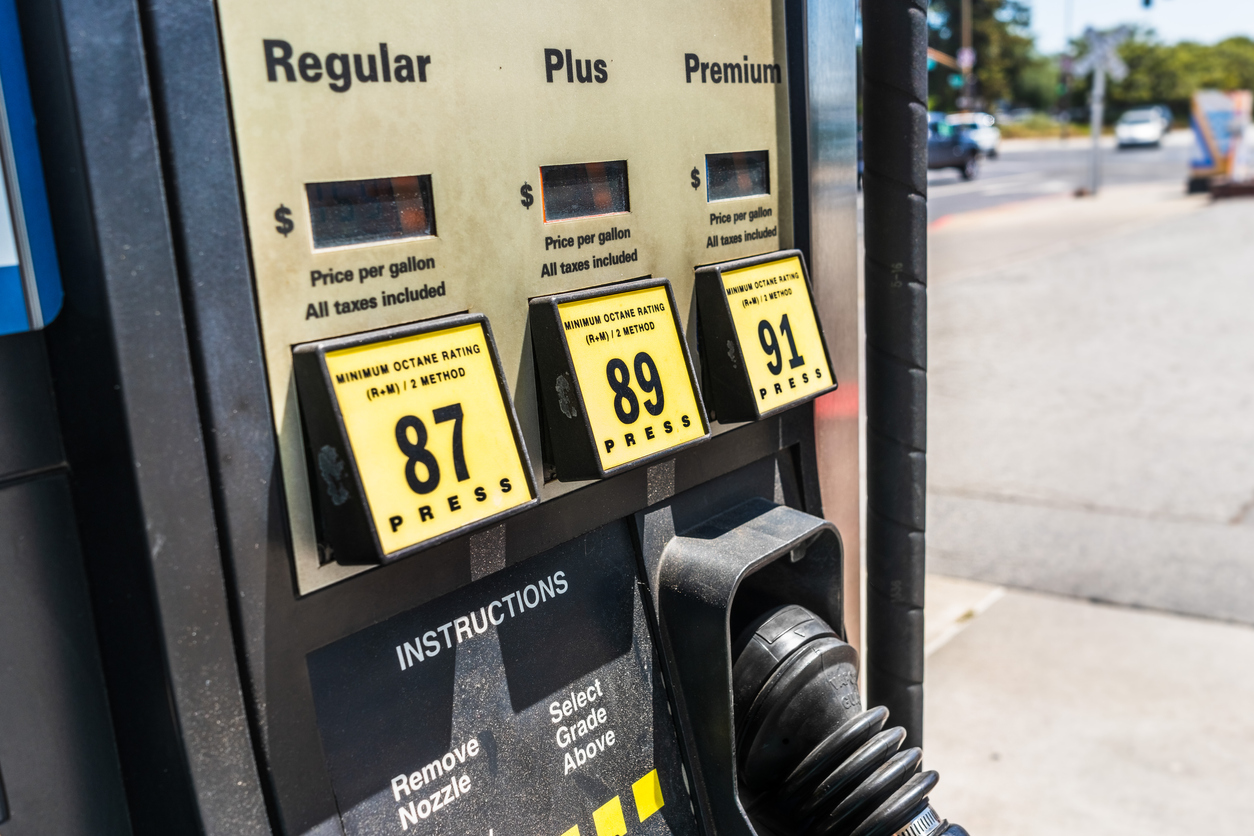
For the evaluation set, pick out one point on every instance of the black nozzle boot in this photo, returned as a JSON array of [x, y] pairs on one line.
[[810, 760]]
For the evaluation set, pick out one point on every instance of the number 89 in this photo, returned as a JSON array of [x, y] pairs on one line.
[[626, 405]]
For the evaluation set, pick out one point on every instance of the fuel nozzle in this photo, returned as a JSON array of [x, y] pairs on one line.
[[810, 760]]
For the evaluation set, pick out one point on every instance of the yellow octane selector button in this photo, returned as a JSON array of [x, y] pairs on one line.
[[648, 793], [609, 818], [432, 436], [762, 343], [615, 382], [412, 436]]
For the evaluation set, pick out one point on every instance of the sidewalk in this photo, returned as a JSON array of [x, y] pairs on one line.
[[1091, 384], [988, 241], [1051, 715]]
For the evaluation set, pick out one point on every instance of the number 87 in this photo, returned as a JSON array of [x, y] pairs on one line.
[[416, 452]]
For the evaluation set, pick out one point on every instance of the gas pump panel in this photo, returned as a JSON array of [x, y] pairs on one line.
[[406, 161], [476, 235], [438, 388], [445, 405]]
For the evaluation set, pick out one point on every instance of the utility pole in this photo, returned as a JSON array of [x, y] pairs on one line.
[[966, 59], [1101, 59], [1097, 105], [1065, 65]]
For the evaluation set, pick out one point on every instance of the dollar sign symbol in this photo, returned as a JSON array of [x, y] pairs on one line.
[[284, 216], [696, 178], [527, 199]]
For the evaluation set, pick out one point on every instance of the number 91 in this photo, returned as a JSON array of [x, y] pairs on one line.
[[770, 344]]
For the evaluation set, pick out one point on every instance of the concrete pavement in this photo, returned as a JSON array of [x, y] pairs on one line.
[[1050, 715]]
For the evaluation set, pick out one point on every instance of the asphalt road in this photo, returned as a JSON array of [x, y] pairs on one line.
[[1089, 399], [1027, 169]]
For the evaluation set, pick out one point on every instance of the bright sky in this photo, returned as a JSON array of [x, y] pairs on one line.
[[1206, 21]]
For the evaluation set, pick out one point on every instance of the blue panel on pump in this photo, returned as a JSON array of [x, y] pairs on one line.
[[30, 282]]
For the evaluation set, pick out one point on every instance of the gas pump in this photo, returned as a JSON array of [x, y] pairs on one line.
[[460, 407]]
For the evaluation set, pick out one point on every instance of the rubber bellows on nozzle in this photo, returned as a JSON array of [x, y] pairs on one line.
[[815, 763], [793, 682]]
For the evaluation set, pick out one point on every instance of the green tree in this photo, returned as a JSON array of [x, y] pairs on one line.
[[1007, 67], [1168, 74]]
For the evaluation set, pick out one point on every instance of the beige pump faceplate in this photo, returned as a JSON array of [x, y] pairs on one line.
[[481, 117]]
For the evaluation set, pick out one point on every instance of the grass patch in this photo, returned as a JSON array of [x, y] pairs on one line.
[[1039, 126]]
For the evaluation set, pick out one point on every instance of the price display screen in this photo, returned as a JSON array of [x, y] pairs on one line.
[[584, 190], [742, 174], [348, 212], [633, 373], [431, 433]]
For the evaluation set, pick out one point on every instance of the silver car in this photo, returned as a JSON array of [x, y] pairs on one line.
[[981, 127], [1142, 126]]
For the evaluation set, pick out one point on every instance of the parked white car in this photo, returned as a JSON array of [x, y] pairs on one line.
[[981, 127], [1143, 126]]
